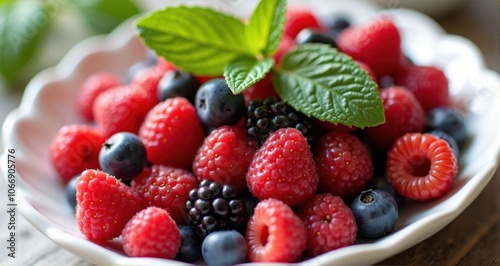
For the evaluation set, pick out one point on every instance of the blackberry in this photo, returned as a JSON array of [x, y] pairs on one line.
[[215, 207], [264, 117]]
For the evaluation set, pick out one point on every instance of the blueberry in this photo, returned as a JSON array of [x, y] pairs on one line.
[[449, 121], [177, 83], [451, 141], [123, 155], [310, 35], [381, 182], [71, 192], [216, 105], [376, 213], [137, 67], [190, 249], [224, 248]]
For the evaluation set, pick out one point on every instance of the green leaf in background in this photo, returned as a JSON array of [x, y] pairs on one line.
[[22, 24], [245, 71], [198, 40], [105, 15], [265, 27], [322, 82]]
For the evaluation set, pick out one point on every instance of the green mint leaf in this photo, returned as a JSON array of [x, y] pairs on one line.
[[196, 39], [104, 15], [265, 27], [22, 26], [322, 82], [245, 71]]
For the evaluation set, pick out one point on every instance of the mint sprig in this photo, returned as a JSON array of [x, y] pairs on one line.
[[315, 79]]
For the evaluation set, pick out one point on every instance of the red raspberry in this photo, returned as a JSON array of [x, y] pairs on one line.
[[376, 44], [224, 157], [275, 233], [327, 126], [172, 133], [151, 76], [165, 187], [329, 223], [286, 44], [428, 84], [91, 88], [75, 148], [368, 70], [403, 114], [151, 233], [421, 166], [263, 89], [297, 19], [104, 205], [283, 168], [344, 164], [121, 109]]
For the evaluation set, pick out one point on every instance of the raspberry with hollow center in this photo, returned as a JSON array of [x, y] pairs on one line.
[[421, 166], [275, 233]]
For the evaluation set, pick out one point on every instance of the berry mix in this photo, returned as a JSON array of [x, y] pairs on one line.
[[182, 168]]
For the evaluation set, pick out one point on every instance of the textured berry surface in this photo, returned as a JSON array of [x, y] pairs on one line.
[[344, 164], [151, 233], [172, 133], [428, 84], [275, 233], [403, 114], [449, 121], [215, 207], [297, 19], [123, 155], [165, 187], [376, 213], [224, 248], [421, 166], [216, 105], [93, 86], [190, 249], [75, 148], [283, 168], [264, 117], [224, 157], [451, 141], [329, 224], [376, 44], [121, 109], [105, 205]]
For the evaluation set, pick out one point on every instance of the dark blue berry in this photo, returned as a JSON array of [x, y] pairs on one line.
[[338, 24], [224, 248], [123, 155], [376, 213], [190, 249], [216, 105], [177, 83], [451, 141], [71, 192], [449, 121], [310, 35]]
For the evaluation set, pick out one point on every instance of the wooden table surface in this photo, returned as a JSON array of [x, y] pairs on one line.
[[471, 239]]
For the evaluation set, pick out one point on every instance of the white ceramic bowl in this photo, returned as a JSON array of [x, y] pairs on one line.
[[48, 104]]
